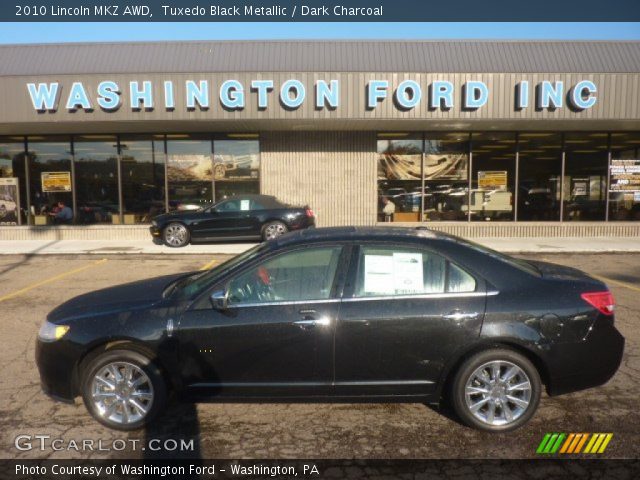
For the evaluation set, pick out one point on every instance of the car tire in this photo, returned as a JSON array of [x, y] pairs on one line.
[[271, 230], [175, 235], [496, 390], [123, 389]]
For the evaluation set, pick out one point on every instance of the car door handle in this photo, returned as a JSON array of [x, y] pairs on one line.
[[312, 322], [458, 315]]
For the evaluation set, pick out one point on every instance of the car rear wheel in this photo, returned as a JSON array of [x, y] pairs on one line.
[[123, 389], [175, 235], [273, 230], [496, 390]]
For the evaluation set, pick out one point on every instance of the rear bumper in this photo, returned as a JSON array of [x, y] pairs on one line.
[[589, 363]]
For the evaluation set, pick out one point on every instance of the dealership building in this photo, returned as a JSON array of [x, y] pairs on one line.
[[478, 138]]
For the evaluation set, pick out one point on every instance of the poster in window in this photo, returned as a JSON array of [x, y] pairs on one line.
[[184, 168], [9, 201], [625, 175], [378, 274], [55, 182], [492, 180], [407, 273]]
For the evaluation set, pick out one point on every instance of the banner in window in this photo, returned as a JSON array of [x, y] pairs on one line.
[[625, 175], [9, 201], [55, 181], [492, 180]]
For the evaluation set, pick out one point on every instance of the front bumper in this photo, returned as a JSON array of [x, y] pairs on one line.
[[155, 231], [589, 363], [56, 363]]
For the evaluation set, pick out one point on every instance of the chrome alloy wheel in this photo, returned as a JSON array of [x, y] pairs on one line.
[[274, 230], [175, 235], [498, 393], [122, 393]]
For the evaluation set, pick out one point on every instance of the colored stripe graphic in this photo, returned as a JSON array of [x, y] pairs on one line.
[[573, 443]]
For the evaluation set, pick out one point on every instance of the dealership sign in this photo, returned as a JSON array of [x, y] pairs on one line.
[[291, 94]]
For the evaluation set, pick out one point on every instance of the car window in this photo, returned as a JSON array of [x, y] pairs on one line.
[[295, 276], [235, 205], [405, 271]]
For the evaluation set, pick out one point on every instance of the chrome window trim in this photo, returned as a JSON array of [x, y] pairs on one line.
[[287, 302], [424, 296]]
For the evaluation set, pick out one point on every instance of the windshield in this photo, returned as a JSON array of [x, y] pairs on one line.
[[515, 262], [194, 284]]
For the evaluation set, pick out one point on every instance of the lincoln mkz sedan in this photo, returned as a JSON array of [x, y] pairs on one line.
[[338, 314], [246, 217]]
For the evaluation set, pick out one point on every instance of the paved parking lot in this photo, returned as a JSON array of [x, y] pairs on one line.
[[33, 285]]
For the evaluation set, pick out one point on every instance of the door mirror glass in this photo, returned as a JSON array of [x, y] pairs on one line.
[[219, 300]]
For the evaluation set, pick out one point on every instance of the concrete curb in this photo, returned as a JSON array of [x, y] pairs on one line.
[[137, 247]]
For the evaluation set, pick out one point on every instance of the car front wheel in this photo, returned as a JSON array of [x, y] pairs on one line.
[[123, 389], [273, 230], [175, 235], [496, 390]]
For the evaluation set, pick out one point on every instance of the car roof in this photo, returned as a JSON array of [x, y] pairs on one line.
[[360, 233]]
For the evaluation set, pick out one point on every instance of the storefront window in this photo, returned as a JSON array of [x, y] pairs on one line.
[[399, 177], [493, 177], [12, 181], [96, 167], [50, 176], [142, 160], [540, 166], [624, 189], [236, 165], [189, 172], [446, 163], [585, 179]]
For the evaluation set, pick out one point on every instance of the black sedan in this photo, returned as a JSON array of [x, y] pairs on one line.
[[340, 314], [245, 217]]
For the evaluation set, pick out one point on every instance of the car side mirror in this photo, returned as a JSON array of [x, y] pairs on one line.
[[219, 300]]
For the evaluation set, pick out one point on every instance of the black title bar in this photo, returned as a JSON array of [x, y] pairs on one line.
[[319, 11]]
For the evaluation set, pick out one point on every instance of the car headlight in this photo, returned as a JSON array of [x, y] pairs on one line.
[[50, 332], [154, 223]]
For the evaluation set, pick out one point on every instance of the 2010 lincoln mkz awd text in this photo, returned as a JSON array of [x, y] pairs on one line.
[[338, 314]]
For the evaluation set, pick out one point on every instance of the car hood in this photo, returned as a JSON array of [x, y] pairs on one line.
[[129, 296]]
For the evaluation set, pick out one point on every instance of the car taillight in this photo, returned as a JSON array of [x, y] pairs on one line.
[[603, 301], [310, 213]]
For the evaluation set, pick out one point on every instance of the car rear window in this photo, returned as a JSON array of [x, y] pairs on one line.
[[518, 263]]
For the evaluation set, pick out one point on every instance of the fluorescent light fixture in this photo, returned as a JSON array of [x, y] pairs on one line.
[[536, 134], [392, 135], [242, 135]]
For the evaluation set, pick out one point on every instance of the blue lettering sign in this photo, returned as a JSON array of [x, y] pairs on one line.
[[441, 94], [298, 96], [376, 91], [232, 94], [476, 94], [197, 94], [44, 96], [78, 98], [405, 99], [580, 99], [549, 95], [144, 95], [109, 95], [263, 87], [522, 95], [327, 95], [169, 100]]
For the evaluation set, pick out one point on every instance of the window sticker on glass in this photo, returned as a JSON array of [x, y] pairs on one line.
[[407, 273], [378, 274], [244, 204]]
